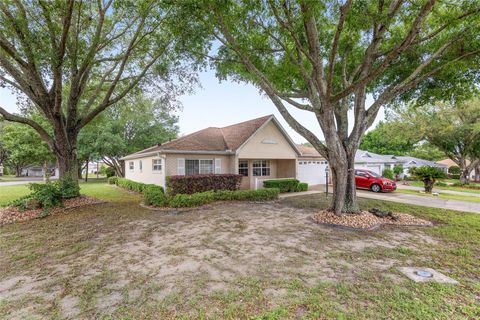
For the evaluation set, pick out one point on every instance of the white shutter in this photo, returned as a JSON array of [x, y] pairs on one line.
[[181, 166], [218, 165]]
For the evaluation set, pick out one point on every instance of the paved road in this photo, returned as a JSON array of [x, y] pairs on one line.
[[460, 193], [423, 201], [20, 181]]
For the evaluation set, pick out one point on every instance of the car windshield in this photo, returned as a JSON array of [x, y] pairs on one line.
[[376, 175]]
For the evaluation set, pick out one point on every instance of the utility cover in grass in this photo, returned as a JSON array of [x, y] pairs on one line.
[[426, 275]]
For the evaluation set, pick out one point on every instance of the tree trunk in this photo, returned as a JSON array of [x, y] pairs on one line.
[[86, 171], [462, 163], [477, 174], [343, 176], [18, 171], [428, 185]]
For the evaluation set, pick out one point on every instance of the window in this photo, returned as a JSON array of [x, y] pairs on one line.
[[140, 166], [198, 166], [243, 167], [157, 164], [261, 168], [361, 174], [131, 165]]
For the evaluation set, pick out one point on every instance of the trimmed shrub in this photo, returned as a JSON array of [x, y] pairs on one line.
[[256, 195], [112, 180], [388, 173], [285, 185], [191, 200], [131, 185], [302, 186], [201, 183], [154, 195], [454, 170], [454, 176]]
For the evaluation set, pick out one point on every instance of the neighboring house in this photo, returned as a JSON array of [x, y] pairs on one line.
[[258, 149], [37, 171], [450, 163], [377, 162], [94, 167]]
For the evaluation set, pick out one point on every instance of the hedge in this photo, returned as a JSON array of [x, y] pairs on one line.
[[285, 185], [131, 185], [112, 180], [154, 196], [302, 186], [202, 182], [202, 198]]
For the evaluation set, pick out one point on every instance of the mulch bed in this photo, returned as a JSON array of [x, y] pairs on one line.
[[12, 215], [366, 220]]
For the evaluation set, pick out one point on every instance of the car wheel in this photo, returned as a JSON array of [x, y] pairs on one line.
[[376, 188]]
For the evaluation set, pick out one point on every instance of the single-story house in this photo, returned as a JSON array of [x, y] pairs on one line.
[[258, 149], [37, 171], [450, 163], [377, 162]]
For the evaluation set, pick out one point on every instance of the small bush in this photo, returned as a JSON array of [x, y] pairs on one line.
[[302, 186], [108, 171], [69, 188], [112, 180], [454, 176], [43, 196], [131, 185], [454, 170], [202, 182], [441, 184], [154, 196], [388, 173], [285, 185], [191, 200]]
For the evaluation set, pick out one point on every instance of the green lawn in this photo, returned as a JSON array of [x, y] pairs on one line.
[[442, 195], [467, 190], [234, 261], [95, 188], [7, 177]]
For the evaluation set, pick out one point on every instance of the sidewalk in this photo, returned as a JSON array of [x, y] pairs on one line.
[[460, 193], [402, 198]]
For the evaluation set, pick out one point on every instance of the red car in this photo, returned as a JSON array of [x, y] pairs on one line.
[[366, 179]]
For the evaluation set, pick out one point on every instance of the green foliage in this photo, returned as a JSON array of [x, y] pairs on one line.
[[181, 184], [23, 145], [398, 169], [388, 173], [390, 138], [285, 185], [302, 186], [441, 184], [468, 186], [69, 187], [454, 170], [191, 200], [131, 185], [112, 180], [427, 172], [45, 196], [427, 151], [154, 196], [108, 171]]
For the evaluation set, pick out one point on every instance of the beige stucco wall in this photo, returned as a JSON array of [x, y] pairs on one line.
[[260, 145], [286, 168], [171, 161], [146, 175], [249, 182]]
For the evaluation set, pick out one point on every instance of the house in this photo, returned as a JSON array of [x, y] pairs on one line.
[[37, 171], [258, 149], [450, 163], [377, 162]]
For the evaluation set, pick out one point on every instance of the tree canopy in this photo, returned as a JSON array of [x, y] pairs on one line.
[[137, 122], [325, 57], [389, 138], [74, 59]]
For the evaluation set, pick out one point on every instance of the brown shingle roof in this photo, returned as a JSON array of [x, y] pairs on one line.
[[308, 151], [228, 138]]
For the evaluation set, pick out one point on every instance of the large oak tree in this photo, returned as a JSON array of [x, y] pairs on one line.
[[74, 59], [325, 57]]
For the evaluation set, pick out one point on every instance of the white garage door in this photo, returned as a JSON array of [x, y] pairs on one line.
[[312, 171], [375, 169]]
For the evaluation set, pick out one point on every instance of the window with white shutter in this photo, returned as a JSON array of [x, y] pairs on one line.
[[181, 166]]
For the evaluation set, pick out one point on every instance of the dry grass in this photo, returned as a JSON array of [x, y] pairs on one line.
[[230, 261]]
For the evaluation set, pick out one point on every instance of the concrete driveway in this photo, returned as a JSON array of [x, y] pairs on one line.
[[432, 202]]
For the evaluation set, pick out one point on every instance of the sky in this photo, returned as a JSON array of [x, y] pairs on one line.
[[218, 104]]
